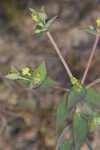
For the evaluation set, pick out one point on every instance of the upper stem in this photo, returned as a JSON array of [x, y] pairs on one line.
[[59, 54], [90, 59]]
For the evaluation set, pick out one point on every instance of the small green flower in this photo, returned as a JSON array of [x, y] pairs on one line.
[[77, 83], [26, 71], [98, 22], [36, 19], [38, 75], [98, 25], [37, 78], [74, 80], [41, 21]]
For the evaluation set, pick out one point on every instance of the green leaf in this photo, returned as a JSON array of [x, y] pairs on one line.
[[37, 31], [32, 83], [90, 27], [13, 70], [24, 82], [42, 15], [47, 83], [67, 145], [89, 109], [38, 35], [75, 97], [90, 31], [41, 70], [13, 76], [62, 112], [80, 129], [60, 139], [92, 98], [50, 22], [33, 11], [93, 125]]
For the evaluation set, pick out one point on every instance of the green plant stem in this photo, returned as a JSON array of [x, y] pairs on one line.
[[88, 144], [59, 142], [93, 83], [90, 59], [59, 54]]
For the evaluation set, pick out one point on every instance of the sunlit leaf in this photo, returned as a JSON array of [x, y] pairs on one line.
[[38, 31], [13, 76], [90, 27], [13, 70], [93, 125]]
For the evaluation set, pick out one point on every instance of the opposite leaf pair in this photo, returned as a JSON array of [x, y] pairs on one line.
[[33, 79], [42, 24], [84, 119]]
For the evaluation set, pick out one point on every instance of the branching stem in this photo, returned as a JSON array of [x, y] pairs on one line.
[[90, 59], [93, 83]]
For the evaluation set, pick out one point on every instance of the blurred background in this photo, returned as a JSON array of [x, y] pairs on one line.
[[27, 118]]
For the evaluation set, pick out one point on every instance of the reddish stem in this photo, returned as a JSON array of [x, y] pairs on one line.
[[90, 59], [60, 88], [93, 83], [59, 54]]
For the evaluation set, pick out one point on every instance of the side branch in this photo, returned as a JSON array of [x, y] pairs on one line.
[[93, 83], [90, 59], [59, 54]]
